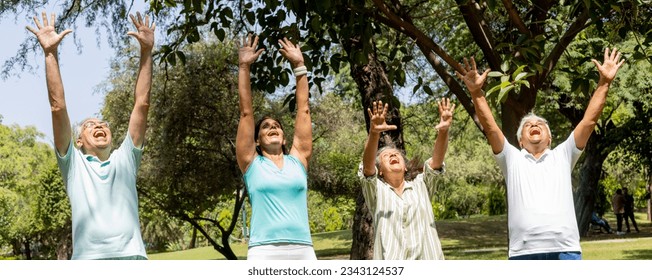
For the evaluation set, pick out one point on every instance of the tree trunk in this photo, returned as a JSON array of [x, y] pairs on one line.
[[373, 85], [28, 249], [587, 191], [193, 239], [64, 245]]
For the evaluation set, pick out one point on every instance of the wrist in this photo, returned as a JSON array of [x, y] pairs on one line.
[[300, 71]]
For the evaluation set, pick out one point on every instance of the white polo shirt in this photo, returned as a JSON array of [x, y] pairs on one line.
[[541, 215]]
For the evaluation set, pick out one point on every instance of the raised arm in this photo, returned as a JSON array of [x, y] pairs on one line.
[[138, 119], [474, 83], [446, 109], [49, 40], [608, 71], [302, 142], [377, 124], [245, 146]]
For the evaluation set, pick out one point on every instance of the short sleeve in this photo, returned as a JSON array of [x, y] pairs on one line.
[[431, 177], [369, 187], [66, 161], [132, 153]]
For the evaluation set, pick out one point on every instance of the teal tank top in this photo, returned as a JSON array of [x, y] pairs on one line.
[[279, 202]]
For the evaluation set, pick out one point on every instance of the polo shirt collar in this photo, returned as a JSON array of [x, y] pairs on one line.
[[91, 158], [529, 156]]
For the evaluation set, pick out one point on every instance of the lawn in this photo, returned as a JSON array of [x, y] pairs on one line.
[[475, 238]]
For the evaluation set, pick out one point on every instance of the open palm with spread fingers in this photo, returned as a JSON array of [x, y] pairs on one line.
[[446, 109], [46, 35], [145, 32], [291, 52], [472, 79], [377, 115], [247, 53], [610, 66]]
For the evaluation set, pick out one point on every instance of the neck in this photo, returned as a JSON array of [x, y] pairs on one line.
[[102, 155], [536, 152], [395, 180], [273, 154]]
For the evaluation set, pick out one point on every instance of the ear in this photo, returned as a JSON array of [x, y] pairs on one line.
[[79, 143]]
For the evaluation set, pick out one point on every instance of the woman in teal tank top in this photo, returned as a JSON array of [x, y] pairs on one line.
[[276, 180]]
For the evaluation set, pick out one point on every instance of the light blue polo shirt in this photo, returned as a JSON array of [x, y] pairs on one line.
[[104, 202], [279, 203]]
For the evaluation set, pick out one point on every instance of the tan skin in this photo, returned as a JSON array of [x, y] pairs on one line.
[[96, 139], [536, 139], [392, 166], [271, 138]]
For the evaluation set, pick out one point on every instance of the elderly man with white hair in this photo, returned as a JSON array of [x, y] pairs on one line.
[[541, 217], [100, 183]]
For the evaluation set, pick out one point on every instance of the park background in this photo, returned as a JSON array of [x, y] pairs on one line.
[[192, 203]]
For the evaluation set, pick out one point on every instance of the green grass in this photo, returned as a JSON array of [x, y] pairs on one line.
[[475, 238]]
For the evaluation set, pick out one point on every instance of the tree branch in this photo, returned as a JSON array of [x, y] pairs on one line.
[[481, 33], [515, 18]]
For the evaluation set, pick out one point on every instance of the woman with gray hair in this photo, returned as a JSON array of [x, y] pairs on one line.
[[404, 223]]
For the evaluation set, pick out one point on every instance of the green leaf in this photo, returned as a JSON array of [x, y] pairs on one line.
[[492, 90], [251, 17], [428, 90], [517, 71], [520, 76], [495, 74], [220, 33], [505, 67], [172, 59], [526, 83], [181, 56], [284, 79], [504, 92]]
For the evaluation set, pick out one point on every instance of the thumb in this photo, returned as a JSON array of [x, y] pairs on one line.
[[131, 33], [65, 32], [597, 64]]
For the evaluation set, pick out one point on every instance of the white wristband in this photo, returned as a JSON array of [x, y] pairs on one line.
[[301, 70]]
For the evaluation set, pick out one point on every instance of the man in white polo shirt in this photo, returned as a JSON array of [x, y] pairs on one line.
[[541, 216], [101, 184]]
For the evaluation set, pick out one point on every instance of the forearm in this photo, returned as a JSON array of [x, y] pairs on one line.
[[369, 155], [303, 122], [138, 119], [492, 131], [245, 146], [60, 120], [439, 149], [596, 104]]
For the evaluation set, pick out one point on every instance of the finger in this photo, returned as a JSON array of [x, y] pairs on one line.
[[385, 109], [597, 64], [140, 18], [31, 29], [288, 42], [371, 115], [391, 127], [249, 40], [452, 109], [606, 54], [459, 75], [131, 33], [133, 19], [255, 43], [466, 65], [283, 44], [617, 57], [153, 26], [45, 18], [485, 73], [614, 52], [475, 67], [259, 52], [621, 63], [38, 24], [52, 19], [440, 107], [65, 32], [147, 20]]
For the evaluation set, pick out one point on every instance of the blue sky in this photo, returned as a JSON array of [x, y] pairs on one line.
[[24, 100]]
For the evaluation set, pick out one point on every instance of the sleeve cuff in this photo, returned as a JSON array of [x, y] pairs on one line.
[[428, 169]]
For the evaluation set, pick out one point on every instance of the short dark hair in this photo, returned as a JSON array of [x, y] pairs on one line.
[[257, 130]]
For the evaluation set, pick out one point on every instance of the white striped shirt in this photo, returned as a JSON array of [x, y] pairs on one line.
[[404, 226]]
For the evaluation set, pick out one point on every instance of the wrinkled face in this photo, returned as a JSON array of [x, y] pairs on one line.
[[535, 132], [391, 160], [270, 134], [94, 134]]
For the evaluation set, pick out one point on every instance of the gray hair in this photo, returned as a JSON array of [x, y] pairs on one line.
[[385, 148], [526, 119]]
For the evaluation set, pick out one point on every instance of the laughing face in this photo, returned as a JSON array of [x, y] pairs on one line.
[[94, 134], [270, 134], [535, 132], [391, 160]]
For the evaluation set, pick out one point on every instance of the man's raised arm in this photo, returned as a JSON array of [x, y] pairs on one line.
[[138, 119], [474, 83], [49, 40]]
